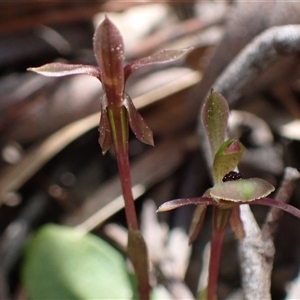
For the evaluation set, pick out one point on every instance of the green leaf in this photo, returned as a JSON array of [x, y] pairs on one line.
[[63, 263], [226, 159], [242, 190], [214, 115]]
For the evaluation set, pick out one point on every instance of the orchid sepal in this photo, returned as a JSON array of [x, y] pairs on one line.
[[109, 53], [176, 203], [197, 221], [160, 57], [137, 123], [265, 201], [58, 69], [105, 137], [236, 223], [214, 116], [276, 204]]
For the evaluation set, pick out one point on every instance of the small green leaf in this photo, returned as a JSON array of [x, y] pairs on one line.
[[226, 159], [242, 190], [63, 263], [214, 115]]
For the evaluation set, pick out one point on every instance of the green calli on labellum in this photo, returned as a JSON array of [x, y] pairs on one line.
[[242, 190]]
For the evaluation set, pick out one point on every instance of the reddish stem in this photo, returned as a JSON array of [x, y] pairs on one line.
[[137, 250], [220, 220], [125, 178], [119, 128], [215, 253]]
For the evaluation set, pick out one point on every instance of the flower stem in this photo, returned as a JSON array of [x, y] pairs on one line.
[[136, 249], [220, 220], [125, 178], [119, 127]]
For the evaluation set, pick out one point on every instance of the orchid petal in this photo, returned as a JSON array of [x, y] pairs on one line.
[[214, 116], [109, 52], [137, 123], [277, 204], [197, 222], [61, 69], [226, 159], [105, 139], [161, 57], [242, 190], [173, 204], [236, 223]]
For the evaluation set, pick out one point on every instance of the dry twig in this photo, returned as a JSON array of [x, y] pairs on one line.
[[256, 57]]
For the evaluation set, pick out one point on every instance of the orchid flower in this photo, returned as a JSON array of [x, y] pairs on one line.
[[115, 103], [117, 112], [229, 190]]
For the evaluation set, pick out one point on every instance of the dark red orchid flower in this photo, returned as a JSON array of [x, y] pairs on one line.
[[109, 53]]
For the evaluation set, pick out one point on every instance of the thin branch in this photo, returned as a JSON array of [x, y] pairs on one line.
[[255, 255], [283, 194], [264, 50]]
